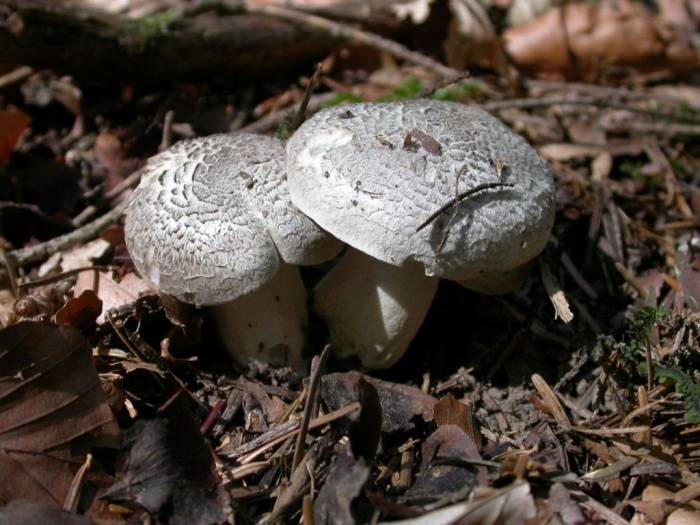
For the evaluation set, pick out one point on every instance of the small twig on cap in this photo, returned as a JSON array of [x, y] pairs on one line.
[[462, 196], [301, 112], [314, 383]]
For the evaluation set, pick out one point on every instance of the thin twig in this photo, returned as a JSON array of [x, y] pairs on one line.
[[531, 103], [14, 76], [70, 503], [661, 128], [257, 446], [212, 417], [313, 82], [431, 90], [9, 264], [314, 382], [129, 182], [346, 32], [167, 137], [462, 196], [273, 119], [63, 275], [88, 232]]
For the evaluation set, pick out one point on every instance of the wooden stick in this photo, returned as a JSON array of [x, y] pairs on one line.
[[268, 440], [346, 32], [88, 232], [314, 383]]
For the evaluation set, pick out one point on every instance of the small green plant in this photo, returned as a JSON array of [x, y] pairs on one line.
[[632, 169], [458, 92], [409, 88], [628, 354], [641, 324], [685, 386], [284, 128]]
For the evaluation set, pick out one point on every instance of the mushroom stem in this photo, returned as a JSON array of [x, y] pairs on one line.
[[267, 325], [373, 309]]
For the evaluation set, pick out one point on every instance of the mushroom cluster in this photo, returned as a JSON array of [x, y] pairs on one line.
[[211, 224], [419, 190]]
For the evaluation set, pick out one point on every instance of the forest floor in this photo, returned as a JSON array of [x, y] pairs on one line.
[[117, 405]]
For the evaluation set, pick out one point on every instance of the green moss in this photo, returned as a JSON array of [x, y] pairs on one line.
[[409, 88], [342, 98], [141, 33], [284, 129], [632, 169], [458, 92]]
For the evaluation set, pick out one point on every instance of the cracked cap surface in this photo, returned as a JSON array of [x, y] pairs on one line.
[[210, 214], [372, 173]]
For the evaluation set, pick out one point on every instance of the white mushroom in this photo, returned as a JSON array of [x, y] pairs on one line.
[[380, 177], [211, 224]]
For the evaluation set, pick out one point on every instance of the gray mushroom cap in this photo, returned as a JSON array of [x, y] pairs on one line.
[[371, 174], [207, 221]]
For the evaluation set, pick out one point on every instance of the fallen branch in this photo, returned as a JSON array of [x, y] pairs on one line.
[[165, 47], [345, 32], [43, 250]]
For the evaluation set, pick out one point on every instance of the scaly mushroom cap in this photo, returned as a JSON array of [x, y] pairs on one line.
[[371, 174], [210, 214]]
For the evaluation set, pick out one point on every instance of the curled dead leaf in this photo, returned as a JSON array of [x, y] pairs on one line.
[[579, 39], [12, 124]]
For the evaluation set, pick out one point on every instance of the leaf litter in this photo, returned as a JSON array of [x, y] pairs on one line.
[[499, 413]]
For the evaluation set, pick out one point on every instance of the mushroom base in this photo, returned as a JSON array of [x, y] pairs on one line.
[[373, 309], [268, 325], [499, 283]]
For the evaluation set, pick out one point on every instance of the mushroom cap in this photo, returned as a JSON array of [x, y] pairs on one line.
[[371, 174], [210, 214]]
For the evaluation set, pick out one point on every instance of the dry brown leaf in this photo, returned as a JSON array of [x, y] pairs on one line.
[[85, 254], [566, 151], [657, 503], [449, 411], [400, 403], [50, 396], [344, 482], [112, 294], [441, 475], [81, 311], [551, 400], [12, 124], [578, 40]]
